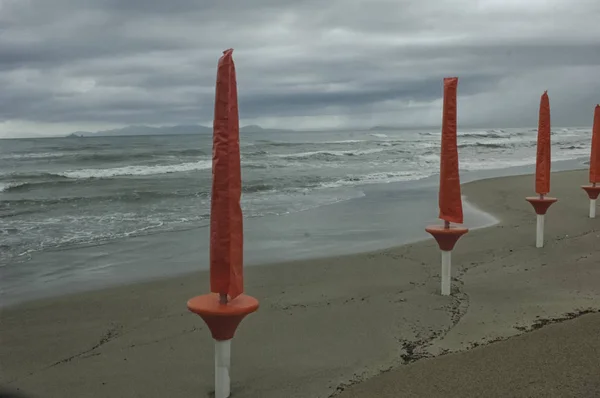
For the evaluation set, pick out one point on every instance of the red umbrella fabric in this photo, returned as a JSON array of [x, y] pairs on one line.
[[226, 221], [450, 200]]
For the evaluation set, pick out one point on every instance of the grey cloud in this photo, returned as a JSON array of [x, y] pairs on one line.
[[135, 61]]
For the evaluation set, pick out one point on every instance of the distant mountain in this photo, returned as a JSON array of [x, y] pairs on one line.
[[253, 128], [145, 130], [380, 128], [164, 130]]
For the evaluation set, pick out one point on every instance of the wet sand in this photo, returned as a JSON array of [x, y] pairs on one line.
[[327, 325], [557, 361]]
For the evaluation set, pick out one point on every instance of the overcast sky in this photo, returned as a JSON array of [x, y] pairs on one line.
[[69, 65]]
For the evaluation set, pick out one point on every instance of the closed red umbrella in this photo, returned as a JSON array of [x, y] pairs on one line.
[[224, 309], [595, 154], [226, 222], [450, 200], [543, 164], [594, 190], [543, 159]]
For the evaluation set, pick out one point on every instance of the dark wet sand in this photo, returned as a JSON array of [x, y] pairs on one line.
[[336, 324]]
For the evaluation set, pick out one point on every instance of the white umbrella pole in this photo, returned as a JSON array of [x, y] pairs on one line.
[[539, 234], [222, 367], [446, 272], [593, 205], [539, 231]]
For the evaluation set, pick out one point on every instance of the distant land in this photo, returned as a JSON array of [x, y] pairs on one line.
[[381, 128], [164, 130], [199, 129]]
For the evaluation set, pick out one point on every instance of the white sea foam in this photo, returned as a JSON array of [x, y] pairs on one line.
[[378, 135], [5, 186], [343, 142], [137, 170], [491, 164], [377, 178], [330, 153], [33, 155]]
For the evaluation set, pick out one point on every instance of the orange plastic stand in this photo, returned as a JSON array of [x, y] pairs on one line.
[[222, 319], [541, 205], [446, 237], [592, 191]]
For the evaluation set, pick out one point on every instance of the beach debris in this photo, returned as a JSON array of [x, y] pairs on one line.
[[450, 199], [224, 308], [541, 203]]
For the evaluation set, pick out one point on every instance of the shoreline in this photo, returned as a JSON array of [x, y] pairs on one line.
[[298, 344], [469, 207], [493, 220], [315, 235], [481, 218]]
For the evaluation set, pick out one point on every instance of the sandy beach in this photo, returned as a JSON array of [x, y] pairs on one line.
[[371, 324]]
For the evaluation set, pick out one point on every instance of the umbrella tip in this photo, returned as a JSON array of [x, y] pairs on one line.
[[228, 51]]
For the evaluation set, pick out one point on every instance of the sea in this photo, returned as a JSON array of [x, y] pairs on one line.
[[79, 213]]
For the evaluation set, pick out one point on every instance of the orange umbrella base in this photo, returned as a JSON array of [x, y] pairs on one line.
[[446, 237], [592, 191], [222, 319], [541, 206]]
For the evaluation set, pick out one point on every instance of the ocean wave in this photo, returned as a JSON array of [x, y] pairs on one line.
[[341, 142], [376, 178], [255, 153], [325, 154], [7, 186], [126, 197], [17, 178], [482, 135], [279, 143], [257, 187], [119, 156], [17, 182], [32, 156], [294, 144], [84, 230], [489, 145], [493, 133], [378, 135], [573, 147], [260, 166], [490, 164], [84, 156], [25, 186], [130, 196], [137, 170]]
